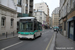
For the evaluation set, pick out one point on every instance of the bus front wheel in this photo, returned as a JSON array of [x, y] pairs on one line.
[[33, 37]]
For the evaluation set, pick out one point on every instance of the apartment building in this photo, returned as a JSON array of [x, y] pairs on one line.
[[67, 18], [24, 7], [8, 17], [55, 17], [50, 21], [47, 17], [43, 7], [41, 17]]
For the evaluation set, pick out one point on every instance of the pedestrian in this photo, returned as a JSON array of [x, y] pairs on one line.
[[57, 30]]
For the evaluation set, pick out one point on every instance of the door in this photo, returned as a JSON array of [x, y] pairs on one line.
[[72, 30]]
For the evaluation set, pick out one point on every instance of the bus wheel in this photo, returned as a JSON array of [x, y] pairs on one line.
[[40, 34], [34, 37]]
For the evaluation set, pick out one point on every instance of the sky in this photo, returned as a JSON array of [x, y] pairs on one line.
[[51, 3]]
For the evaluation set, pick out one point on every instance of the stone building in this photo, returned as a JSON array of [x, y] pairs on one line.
[[67, 18], [8, 17], [24, 6], [55, 17], [41, 17], [43, 7]]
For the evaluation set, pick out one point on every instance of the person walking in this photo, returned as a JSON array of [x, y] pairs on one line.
[[57, 30]]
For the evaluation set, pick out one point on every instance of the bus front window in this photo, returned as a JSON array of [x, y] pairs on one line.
[[28, 26]]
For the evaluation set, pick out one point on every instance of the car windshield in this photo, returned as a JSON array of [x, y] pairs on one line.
[[27, 26]]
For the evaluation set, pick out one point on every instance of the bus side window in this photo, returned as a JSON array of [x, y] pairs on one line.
[[35, 26]]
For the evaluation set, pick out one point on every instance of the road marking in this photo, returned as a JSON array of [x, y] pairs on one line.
[[11, 45], [49, 42]]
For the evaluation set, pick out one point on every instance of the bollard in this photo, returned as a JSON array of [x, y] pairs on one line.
[[13, 33]]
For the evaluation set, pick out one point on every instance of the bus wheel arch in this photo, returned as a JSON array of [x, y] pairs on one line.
[[34, 36], [40, 34]]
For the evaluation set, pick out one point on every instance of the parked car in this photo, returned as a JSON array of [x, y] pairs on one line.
[[55, 29]]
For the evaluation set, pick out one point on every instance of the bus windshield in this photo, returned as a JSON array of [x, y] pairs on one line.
[[26, 26]]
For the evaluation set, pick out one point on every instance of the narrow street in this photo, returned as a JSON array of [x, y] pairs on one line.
[[39, 43]]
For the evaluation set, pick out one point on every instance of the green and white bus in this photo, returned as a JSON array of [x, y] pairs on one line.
[[29, 28]]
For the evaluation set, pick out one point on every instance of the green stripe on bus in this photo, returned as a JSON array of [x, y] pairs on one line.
[[29, 33]]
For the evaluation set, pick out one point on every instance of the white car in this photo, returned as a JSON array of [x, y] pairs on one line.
[[55, 29]]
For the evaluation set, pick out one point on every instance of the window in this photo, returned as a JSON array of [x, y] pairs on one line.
[[41, 18], [26, 26], [3, 21], [35, 26], [19, 2], [40, 13], [12, 22]]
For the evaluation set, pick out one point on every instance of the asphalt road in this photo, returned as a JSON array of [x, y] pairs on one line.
[[39, 43]]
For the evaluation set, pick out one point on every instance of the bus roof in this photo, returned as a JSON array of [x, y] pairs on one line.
[[27, 18]]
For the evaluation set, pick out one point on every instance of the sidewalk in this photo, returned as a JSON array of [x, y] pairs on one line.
[[63, 43], [7, 36]]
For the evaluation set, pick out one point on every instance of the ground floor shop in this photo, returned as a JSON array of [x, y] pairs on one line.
[[67, 26]]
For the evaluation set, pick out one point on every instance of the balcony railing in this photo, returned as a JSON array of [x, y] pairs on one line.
[[22, 15]]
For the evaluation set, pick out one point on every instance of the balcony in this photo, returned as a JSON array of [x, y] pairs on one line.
[[22, 15]]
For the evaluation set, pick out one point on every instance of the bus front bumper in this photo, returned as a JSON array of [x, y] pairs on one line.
[[25, 36]]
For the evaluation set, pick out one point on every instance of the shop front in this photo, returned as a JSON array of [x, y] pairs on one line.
[[71, 28]]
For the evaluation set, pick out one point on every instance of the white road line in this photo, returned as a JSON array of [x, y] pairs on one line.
[[11, 45]]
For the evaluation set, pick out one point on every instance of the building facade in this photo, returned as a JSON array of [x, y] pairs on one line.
[[8, 17], [47, 17], [41, 17], [67, 18], [43, 7], [24, 6], [50, 21], [55, 17]]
